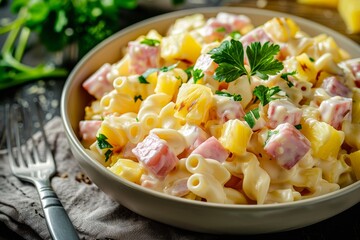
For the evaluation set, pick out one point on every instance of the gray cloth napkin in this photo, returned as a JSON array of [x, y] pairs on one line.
[[93, 213]]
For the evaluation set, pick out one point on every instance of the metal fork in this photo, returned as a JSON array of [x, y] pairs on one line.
[[30, 164]]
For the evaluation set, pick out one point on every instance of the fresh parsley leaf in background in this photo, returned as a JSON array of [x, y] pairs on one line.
[[230, 58], [235, 97], [265, 94]]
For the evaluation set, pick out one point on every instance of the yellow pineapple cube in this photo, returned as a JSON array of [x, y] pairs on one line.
[[127, 169], [350, 12], [169, 82], [235, 136], [282, 29], [182, 47], [305, 68], [355, 163], [325, 140], [193, 103]]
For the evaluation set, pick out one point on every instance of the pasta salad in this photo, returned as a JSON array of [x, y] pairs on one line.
[[219, 110]]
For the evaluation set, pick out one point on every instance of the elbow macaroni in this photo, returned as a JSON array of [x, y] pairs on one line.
[[183, 112]]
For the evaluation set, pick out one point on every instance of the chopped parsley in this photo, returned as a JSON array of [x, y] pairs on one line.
[[236, 97], [104, 144], [189, 71], [235, 35], [252, 116], [298, 127], [311, 59], [150, 42], [265, 94], [197, 74], [230, 58], [138, 97], [221, 29], [269, 134], [285, 76], [142, 78]]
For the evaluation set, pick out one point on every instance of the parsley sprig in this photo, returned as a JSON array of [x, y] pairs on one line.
[[235, 97], [104, 144], [265, 94], [142, 77], [230, 58]]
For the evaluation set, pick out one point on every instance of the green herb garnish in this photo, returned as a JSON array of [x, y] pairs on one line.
[[138, 97], [298, 127], [236, 97], [264, 94], [235, 35], [230, 58], [252, 116], [197, 75], [104, 144], [285, 76], [150, 42]]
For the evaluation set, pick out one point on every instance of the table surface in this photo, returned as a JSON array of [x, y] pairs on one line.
[[345, 224]]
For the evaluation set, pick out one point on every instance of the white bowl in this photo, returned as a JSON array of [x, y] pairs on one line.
[[182, 213]]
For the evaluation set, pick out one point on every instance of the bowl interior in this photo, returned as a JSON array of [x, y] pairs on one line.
[[74, 98]]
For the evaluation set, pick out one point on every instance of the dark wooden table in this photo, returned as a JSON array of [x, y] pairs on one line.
[[345, 225]]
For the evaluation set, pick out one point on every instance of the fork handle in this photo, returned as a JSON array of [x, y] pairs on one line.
[[59, 224]]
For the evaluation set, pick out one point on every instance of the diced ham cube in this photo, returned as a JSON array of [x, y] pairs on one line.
[[206, 64], [227, 108], [283, 111], [178, 188], [156, 156], [335, 109], [194, 136], [214, 30], [97, 84], [237, 22], [143, 57], [213, 149], [334, 87], [88, 130], [287, 145], [355, 69], [256, 35]]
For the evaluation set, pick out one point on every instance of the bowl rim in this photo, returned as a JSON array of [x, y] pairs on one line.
[[75, 142]]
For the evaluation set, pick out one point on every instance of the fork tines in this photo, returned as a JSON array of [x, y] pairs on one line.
[[23, 118]]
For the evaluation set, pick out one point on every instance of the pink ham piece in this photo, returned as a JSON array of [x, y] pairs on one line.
[[214, 30], [237, 22], [206, 64], [334, 87], [355, 69], [97, 84], [335, 109], [287, 145], [155, 154], [143, 57], [256, 35], [283, 111], [229, 110], [88, 129], [213, 149]]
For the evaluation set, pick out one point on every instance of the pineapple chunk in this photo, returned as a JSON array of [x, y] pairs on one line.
[[180, 47], [325, 3], [127, 169], [355, 163], [193, 103], [350, 12], [169, 82], [235, 136], [325, 140], [305, 68], [281, 29]]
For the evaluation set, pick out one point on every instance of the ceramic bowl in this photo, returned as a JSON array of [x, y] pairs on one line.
[[182, 213]]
